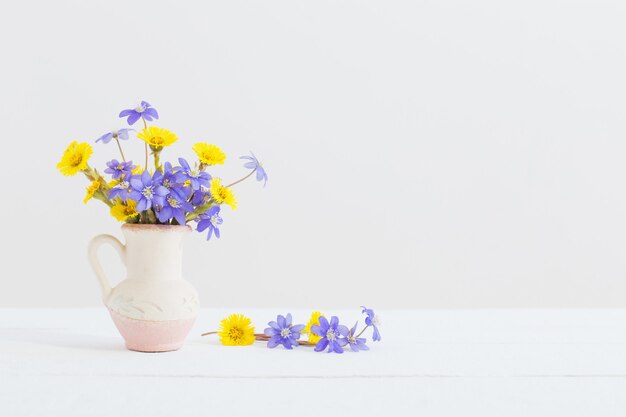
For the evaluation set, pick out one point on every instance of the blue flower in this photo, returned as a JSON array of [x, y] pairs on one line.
[[144, 110], [174, 207], [372, 320], [121, 190], [146, 191], [211, 219], [356, 343], [119, 169], [254, 164], [283, 332], [173, 180], [196, 178], [332, 335], [115, 134]]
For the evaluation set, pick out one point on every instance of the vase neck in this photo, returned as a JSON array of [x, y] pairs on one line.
[[154, 253]]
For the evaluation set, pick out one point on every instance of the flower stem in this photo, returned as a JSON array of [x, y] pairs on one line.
[[242, 179], [157, 161], [145, 125], [362, 331], [120, 148]]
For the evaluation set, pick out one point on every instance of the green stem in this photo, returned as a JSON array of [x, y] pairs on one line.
[[362, 331], [120, 148], [145, 125], [242, 179], [157, 160]]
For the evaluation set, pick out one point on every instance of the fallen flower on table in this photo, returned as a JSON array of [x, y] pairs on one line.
[[237, 330]]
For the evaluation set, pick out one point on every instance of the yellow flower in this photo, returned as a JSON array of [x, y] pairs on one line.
[[315, 319], [91, 190], [209, 154], [138, 170], [221, 194], [236, 330], [75, 158], [123, 212], [157, 137]]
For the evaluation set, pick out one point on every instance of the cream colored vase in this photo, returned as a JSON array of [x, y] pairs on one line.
[[154, 307]]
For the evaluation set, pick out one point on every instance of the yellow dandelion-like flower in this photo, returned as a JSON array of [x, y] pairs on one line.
[[236, 330], [209, 154], [157, 137], [315, 319], [91, 190], [221, 194], [138, 170], [75, 158], [122, 212]]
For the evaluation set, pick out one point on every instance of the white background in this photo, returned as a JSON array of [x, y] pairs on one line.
[[420, 154]]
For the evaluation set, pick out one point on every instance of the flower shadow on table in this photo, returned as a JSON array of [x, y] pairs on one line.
[[61, 339]]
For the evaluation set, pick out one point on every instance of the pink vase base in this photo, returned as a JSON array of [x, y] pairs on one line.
[[152, 336]]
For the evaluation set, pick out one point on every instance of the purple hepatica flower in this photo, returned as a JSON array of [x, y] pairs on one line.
[[211, 219], [119, 169], [115, 134], [356, 343], [254, 163], [174, 207], [173, 181], [146, 191], [372, 320], [283, 332], [332, 335], [144, 110], [201, 195], [120, 190], [196, 178]]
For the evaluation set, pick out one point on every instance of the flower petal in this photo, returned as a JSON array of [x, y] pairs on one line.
[[321, 345]]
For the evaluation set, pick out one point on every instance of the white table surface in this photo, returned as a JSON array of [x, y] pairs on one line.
[[501, 363]]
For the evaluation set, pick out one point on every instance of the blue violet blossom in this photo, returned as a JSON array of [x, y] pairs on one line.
[[119, 169], [114, 134], [143, 110], [174, 207], [356, 343], [333, 335], [196, 178], [254, 164], [282, 332], [146, 191], [372, 320], [210, 220]]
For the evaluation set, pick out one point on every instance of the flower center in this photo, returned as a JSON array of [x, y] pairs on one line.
[[123, 185], [140, 109], [285, 333], [214, 219], [235, 333], [376, 321], [115, 134], [330, 335], [76, 159], [167, 183], [173, 202], [157, 140], [148, 192]]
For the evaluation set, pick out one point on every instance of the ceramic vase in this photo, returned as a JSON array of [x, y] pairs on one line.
[[153, 307]]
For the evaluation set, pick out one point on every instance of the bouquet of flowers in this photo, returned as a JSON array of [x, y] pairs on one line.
[[166, 193]]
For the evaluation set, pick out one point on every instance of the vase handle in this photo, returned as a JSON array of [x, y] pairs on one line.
[[94, 245]]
